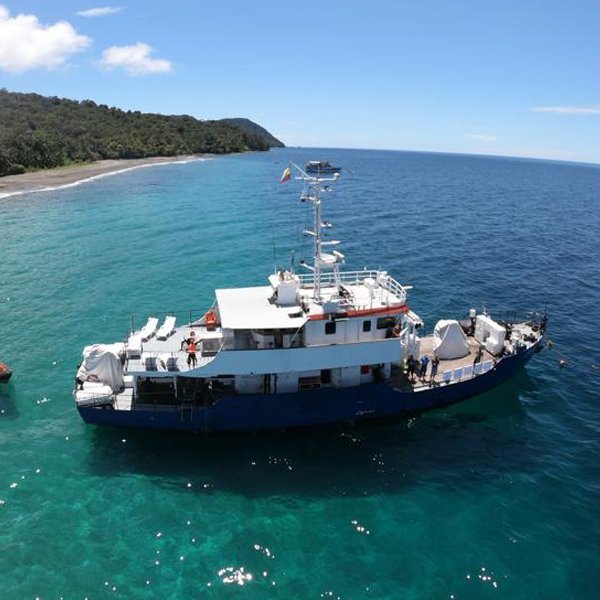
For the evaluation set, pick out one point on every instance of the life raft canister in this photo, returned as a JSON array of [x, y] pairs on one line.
[[210, 319]]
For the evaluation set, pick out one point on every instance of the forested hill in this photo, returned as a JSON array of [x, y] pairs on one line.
[[37, 132], [252, 128]]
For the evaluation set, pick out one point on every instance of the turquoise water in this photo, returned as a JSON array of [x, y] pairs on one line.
[[496, 498]]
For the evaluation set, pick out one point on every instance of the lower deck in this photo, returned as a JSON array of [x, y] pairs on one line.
[[172, 393], [318, 407]]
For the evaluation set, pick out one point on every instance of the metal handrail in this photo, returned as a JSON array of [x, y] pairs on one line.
[[514, 316], [382, 278]]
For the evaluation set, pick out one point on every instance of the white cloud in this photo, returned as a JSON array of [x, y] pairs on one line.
[[482, 137], [27, 44], [101, 11], [569, 110], [135, 60]]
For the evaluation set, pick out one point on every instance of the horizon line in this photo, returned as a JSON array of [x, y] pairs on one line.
[[455, 153]]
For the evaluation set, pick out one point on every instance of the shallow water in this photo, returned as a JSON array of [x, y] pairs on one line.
[[495, 498]]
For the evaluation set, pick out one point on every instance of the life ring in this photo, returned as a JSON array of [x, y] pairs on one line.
[[210, 320]]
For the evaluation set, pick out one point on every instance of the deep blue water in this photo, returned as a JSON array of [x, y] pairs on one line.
[[498, 497]]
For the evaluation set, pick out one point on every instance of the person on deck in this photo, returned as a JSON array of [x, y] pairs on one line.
[[411, 364], [191, 344], [423, 367], [434, 369], [478, 355]]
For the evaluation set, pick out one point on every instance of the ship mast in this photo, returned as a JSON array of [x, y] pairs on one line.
[[312, 192]]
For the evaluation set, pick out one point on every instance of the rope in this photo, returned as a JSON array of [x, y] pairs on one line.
[[563, 360]]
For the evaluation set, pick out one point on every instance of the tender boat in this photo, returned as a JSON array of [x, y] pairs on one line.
[[319, 348], [323, 167], [5, 372]]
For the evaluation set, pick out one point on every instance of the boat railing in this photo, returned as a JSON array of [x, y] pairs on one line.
[[169, 361], [515, 316], [465, 372], [380, 279]]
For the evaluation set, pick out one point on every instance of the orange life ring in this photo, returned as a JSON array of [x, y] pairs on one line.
[[210, 320]]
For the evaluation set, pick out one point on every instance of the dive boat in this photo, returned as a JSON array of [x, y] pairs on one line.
[[322, 167], [5, 372], [319, 348]]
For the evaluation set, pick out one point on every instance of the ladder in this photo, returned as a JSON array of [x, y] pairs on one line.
[[187, 408]]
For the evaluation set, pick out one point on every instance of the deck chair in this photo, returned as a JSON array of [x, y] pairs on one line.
[[166, 329], [133, 348], [149, 329]]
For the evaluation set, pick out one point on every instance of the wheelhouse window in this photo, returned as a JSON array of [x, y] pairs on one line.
[[330, 327], [386, 322], [367, 325]]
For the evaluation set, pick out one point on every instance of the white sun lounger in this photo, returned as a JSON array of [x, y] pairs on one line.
[[166, 329], [149, 329], [134, 346]]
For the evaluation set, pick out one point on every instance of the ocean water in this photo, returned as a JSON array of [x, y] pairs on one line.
[[498, 497]]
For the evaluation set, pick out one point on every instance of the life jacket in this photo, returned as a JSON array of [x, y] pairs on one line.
[[192, 345]]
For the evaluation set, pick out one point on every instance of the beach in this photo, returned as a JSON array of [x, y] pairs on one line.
[[50, 179]]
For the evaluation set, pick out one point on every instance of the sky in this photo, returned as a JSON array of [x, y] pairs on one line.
[[501, 77]]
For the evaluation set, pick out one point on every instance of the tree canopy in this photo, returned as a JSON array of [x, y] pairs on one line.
[[38, 132]]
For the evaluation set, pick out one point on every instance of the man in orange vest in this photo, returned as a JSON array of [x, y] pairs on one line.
[[191, 343]]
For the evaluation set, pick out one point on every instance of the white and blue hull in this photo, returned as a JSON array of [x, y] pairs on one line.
[[325, 406]]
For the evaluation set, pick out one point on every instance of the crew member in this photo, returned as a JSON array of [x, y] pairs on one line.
[[191, 344], [434, 369], [423, 367]]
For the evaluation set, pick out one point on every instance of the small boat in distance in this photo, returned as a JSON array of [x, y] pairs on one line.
[[5, 372], [319, 348], [321, 166]]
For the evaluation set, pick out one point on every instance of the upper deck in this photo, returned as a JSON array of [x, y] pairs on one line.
[[355, 290], [266, 308]]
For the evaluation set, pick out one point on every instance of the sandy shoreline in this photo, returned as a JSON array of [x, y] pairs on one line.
[[51, 179]]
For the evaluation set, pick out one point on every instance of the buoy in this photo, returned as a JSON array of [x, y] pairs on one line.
[[562, 363]]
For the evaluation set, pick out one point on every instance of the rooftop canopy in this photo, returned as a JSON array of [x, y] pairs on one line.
[[254, 308]]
